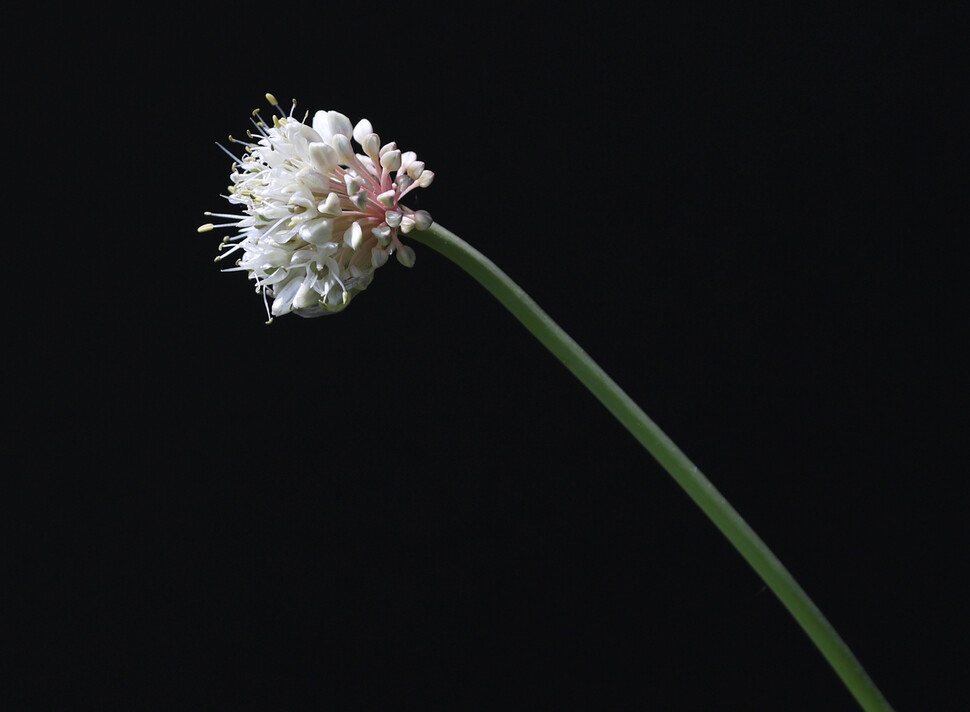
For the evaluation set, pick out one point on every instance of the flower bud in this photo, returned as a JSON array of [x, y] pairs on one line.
[[383, 235], [391, 160], [415, 169], [422, 219], [378, 257], [371, 145], [405, 255], [345, 152]]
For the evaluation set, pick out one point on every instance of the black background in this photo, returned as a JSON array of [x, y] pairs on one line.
[[749, 219]]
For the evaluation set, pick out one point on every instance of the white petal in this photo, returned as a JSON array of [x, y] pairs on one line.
[[352, 183], [321, 125], [353, 236], [378, 257], [339, 124], [283, 303], [305, 296], [303, 200], [317, 232], [330, 206], [361, 130], [323, 157], [316, 182], [383, 235], [407, 158], [311, 134], [312, 311]]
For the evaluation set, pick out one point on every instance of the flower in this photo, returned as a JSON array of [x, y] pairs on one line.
[[319, 217]]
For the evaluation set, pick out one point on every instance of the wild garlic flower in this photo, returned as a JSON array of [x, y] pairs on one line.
[[319, 217]]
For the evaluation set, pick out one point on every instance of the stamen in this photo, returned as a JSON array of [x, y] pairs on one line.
[[275, 104], [229, 153], [232, 249], [242, 143], [225, 215]]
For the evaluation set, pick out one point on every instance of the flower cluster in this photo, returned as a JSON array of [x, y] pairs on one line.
[[319, 218]]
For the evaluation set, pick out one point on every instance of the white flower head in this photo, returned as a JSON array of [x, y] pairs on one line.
[[319, 218]]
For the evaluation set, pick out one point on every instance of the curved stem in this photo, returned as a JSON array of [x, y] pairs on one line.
[[686, 474]]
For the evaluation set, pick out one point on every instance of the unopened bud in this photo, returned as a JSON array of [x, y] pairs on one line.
[[422, 219], [405, 255], [415, 169], [345, 152], [371, 145], [391, 160], [383, 235]]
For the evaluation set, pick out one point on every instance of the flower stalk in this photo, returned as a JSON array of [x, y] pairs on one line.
[[663, 449], [319, 218]]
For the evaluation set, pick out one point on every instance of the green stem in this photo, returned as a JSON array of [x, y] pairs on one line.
[[697, 486]]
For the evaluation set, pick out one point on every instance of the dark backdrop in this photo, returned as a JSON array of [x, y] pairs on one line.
[[743, 216]]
